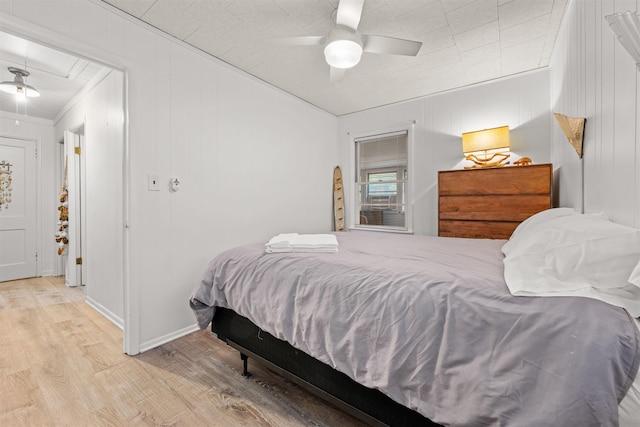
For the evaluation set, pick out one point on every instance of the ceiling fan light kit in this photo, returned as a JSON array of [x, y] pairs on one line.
[[18, 87], [343, 49]]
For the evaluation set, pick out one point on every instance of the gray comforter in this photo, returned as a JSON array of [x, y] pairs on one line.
[[430, 322]]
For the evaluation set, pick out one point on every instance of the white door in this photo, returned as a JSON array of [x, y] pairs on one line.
[[18, 250], [73, 270]]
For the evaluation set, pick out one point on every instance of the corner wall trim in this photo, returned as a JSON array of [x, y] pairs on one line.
[[148, 345], [113, 318]]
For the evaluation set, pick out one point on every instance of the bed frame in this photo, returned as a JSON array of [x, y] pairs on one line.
[[368, 405]]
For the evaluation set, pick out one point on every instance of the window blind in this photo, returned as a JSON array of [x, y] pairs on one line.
[[382, 151]]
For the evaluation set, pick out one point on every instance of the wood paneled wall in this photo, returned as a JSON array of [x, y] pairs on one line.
[[592, 76]]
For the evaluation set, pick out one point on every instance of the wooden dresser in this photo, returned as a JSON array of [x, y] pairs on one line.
[[490, 203]]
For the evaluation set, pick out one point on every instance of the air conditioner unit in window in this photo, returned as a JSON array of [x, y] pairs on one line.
[[383, 202]]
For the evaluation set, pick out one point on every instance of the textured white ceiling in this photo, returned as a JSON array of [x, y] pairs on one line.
[[464, 42]]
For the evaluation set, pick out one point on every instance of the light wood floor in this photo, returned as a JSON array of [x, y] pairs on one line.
[[61, 364]]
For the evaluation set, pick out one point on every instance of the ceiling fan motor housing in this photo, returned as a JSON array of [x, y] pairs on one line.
[[343, 48]]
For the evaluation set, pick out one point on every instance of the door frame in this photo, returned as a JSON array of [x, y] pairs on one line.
[[39, 202], [76, 170], [44, 36]]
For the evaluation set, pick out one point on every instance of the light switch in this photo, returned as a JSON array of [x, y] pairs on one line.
[[154, 182]]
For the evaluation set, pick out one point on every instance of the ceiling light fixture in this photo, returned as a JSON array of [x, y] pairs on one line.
[[343, 49], [18, 86], [626, 26]]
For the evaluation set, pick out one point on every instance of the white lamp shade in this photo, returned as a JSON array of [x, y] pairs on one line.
[[19, 89], [343, 53]]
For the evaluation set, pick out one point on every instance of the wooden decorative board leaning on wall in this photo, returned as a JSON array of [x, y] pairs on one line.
[[490, 203], [338, 199]]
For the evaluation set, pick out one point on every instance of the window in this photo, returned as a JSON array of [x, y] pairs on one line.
[[382, 181]]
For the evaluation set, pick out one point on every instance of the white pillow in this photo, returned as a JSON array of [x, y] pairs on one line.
[[541, 217], [560, 252]]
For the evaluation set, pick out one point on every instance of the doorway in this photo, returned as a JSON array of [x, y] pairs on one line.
[[96, 114], [72, 180]]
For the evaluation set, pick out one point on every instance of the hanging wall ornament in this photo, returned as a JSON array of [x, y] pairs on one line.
[[5, 184], [63, 216]]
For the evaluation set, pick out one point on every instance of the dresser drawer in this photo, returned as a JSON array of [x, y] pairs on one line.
[[535, 179], [477, 229], [493, 208]]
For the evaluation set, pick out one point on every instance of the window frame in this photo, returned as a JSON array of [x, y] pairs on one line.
[[408, 182]]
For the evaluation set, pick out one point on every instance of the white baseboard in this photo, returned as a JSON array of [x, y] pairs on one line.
[[116, 320], [167, 338]]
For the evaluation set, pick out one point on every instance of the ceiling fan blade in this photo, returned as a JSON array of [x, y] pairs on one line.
[[301, 40], [336, 74], [390, 45], [349, 13]]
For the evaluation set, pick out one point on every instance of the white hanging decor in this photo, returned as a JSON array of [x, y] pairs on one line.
[[5, 184], [626, 26]]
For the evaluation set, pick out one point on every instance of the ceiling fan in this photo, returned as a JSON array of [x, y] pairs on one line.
[[343, 46]]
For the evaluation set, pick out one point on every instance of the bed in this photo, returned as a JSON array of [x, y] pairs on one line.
[[423, 330]]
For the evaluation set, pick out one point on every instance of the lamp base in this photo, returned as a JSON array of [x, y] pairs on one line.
[[495, 160]]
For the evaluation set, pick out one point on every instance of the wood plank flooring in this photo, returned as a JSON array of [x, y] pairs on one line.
[[61, 364]]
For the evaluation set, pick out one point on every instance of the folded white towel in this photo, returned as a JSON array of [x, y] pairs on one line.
[[281, 240], [294, 242]]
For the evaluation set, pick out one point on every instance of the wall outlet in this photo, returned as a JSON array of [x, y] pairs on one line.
[[175, 183], [153, 182]]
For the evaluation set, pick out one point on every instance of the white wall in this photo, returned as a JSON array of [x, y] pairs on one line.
[[253, 160], [101, 113], [521, 102], [42, 132], [594, 77]]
